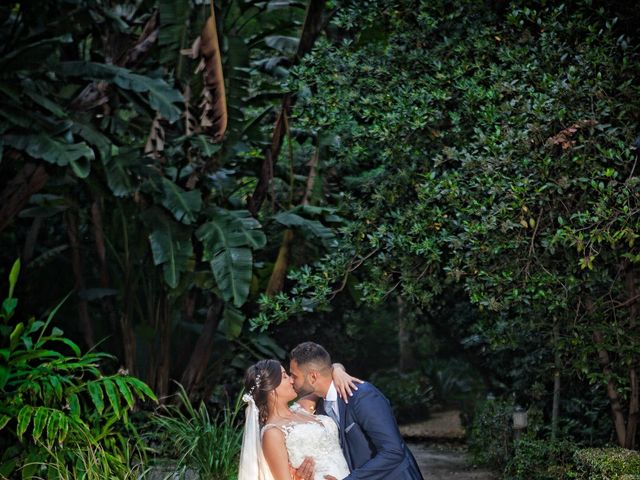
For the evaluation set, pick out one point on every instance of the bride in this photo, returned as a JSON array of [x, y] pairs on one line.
[[278, 437]]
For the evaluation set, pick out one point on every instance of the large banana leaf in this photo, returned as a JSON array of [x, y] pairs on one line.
[[228, 239], [170, 244], [232, 322], [162, 97], [309, 228], [174, 21], [49, 149], [184, 205], [119, 177]]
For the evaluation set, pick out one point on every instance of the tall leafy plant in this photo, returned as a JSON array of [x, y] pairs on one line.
[[59, 412], [202, 443]]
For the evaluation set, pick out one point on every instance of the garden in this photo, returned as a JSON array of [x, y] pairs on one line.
[[443, 193]]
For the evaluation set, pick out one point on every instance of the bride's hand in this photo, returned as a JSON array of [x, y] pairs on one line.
[[345, 384], [330, 477]]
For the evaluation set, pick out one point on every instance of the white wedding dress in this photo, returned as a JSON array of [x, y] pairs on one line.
[[317, 438]]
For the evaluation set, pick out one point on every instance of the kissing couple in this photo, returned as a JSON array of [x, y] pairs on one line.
[[323, 436]]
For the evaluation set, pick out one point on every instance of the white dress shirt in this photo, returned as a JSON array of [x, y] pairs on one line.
[[332, 396]]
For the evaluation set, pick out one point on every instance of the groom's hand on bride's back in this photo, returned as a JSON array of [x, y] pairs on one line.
[[305, 471]]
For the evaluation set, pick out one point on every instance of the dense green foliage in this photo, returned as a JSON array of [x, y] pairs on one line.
[[433, 180], [607, 463], [535, 459], [116, 181], [60, 416], [487, 157], [491, 436]]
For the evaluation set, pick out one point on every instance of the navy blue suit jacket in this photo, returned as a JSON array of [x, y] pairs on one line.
[[370, 438]]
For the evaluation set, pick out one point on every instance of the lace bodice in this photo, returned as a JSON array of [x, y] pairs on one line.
[[318, 438]]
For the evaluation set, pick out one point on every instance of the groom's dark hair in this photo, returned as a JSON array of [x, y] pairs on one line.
[[311, 353]]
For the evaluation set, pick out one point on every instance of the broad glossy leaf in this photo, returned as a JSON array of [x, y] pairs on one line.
[[57, 386], [283, 44], [119, 175], [15, 336], [39, 422], [232, 322], [24, 417], [101, 142], [228, 240], [141, 389], [124, 390], [251, 229], [97, 397], [53, 426], [41, 354], [4, 420], [232, 268], [162, 97], [184, 205], [74, 405], [174, 16], [112, 394], [47, 148], [171, 246], [13, 275], [8, 307], [63, 428], [204, 145], [310, 228]]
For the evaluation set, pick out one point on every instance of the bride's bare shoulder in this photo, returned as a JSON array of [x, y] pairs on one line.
[[272, 433]]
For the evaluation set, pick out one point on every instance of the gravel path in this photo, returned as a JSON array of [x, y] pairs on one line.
[[440, 462], [438, 447]]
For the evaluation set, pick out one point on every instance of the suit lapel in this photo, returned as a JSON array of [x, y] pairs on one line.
[[342, 411], [320, 407], [342, 408]]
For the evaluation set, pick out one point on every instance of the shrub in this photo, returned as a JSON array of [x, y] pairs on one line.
[[59, 416], [206, 445], [491, 434], [607, 464], [410, 394], [541, 459]]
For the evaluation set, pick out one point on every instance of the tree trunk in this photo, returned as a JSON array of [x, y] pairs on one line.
[[76, 261], [16, 194], [128, 344], [160, 365], [194, 374], [555, 412], [634, 407], [311, 29], [276, 280], [612, 393], [279, 273]]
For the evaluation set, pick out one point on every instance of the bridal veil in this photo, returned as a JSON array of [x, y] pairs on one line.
[[253, 465]]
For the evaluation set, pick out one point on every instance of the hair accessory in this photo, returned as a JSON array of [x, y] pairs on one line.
[[257, 385]]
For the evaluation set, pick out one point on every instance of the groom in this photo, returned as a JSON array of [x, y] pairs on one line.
[[369, 435]]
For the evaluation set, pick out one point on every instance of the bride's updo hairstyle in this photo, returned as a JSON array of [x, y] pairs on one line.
[[259, 380]]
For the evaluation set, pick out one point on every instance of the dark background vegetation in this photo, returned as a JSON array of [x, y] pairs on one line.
[[443, 193]]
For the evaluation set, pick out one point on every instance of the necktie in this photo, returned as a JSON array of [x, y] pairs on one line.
[[330, 409]]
